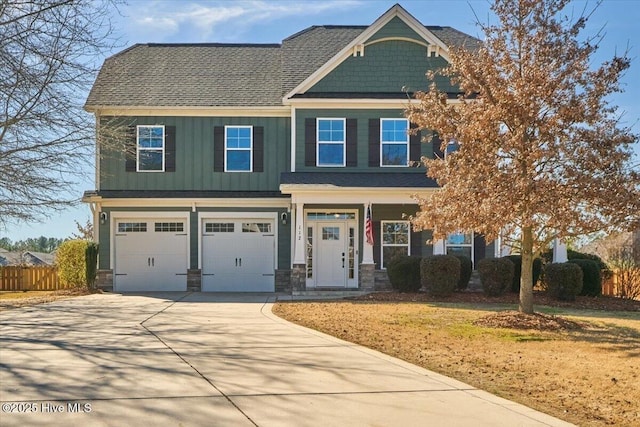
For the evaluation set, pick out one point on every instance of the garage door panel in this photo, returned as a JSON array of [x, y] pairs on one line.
[[149, 257], [239, 256]]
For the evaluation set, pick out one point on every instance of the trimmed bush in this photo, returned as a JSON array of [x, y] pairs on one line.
[[496, 275], [70, 259], [91, 258], [404, 273], [440, 274], [517, 271], [564, 280], [466, 268], [591, 279]]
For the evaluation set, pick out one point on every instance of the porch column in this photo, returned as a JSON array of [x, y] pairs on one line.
[[367, 278], [298, 245], [438, 247], [299, 270], [367, 249], [559, 251]]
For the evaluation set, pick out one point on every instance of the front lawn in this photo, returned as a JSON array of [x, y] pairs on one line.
[[587, 376]]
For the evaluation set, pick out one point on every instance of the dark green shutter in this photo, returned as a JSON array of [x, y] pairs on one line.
[[437, 151], [170, 148], [258, 149], [414, 146], [352, 143], [374, 143], [218, 149], [479, 248], [416, 243], [130, 149], [310, 142]]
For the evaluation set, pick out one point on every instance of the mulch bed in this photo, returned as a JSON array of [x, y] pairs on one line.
[[539, 298], [538, 321]]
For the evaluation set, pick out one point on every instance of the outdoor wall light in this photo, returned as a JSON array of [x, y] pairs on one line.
[[283, 218], [103, 218]]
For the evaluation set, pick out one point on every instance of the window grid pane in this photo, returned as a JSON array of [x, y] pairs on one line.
[[309, 252], [331, 142], [150, 143], [256, 227], [394, 140], [238, 148], [330, 233], [169, 227], [219, 227], [132, 227], [395, 240]]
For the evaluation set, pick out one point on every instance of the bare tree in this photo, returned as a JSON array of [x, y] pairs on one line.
[[542, 153], [49, 53]]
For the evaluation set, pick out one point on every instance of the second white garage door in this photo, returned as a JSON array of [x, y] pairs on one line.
[[238, 255]]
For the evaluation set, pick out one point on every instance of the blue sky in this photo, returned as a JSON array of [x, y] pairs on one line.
[[270, 21]]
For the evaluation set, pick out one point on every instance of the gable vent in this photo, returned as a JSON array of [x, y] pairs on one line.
[[358, 50]]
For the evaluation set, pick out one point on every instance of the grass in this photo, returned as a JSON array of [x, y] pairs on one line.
[[589, 376]]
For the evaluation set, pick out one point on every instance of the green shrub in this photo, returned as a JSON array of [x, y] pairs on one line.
[[564, 280], [496, 275], [404, 273], [70, 259], [91, 257], [466, 268], [440, 274], [591, 279], [517, 271], [571, 255]]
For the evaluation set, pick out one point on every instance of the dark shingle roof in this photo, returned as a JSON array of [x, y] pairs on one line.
[[306, 51], [227, 75], [194, 75], [358, 179]]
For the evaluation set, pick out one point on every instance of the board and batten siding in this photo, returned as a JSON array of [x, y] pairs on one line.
[[194, 161], [392, 66], [362, 118]]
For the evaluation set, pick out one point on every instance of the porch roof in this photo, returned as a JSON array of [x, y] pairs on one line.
[[358, 179]]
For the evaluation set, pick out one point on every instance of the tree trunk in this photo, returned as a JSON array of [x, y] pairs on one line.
[[526, 275]]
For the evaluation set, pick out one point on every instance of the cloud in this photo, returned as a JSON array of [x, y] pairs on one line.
[[198, 21]]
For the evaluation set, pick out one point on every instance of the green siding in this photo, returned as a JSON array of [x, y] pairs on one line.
[[363, 117], [194, 158], [392, 67], [396, 28]]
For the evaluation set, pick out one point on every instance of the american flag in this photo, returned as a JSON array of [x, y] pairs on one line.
[[368, 226]]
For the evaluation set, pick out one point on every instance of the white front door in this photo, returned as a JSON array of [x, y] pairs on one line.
[[331, 261], [238, 255]]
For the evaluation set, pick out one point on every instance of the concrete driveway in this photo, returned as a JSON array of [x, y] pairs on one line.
[[180, 359]]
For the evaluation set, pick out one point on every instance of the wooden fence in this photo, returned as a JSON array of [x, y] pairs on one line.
[[29, 278]]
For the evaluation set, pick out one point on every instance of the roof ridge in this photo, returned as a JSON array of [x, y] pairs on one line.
[[266, 45], [331, 27]]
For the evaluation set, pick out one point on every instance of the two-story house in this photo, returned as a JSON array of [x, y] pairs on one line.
[[268, 167]]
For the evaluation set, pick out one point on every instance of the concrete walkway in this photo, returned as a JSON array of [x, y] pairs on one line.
[[201, 359]]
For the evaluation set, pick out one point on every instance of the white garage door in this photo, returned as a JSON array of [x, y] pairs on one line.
[[150, 255], [238, 255]]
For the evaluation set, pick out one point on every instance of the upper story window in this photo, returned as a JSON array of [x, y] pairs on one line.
[[452, 147], [331, 142], [394, 142], [238, 148], [150, 148]]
